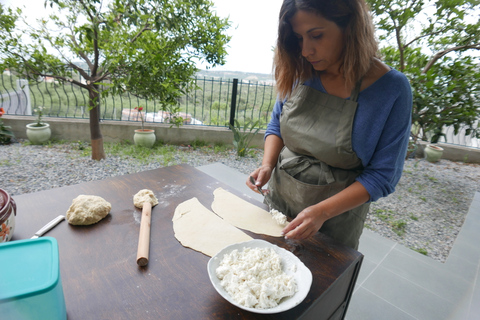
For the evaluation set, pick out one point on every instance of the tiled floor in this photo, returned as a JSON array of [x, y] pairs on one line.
[[398, 283]]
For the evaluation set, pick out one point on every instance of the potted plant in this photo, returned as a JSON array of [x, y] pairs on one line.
[[433, 153], [38, 132], [411, 148], [6, 135], [143, 137]]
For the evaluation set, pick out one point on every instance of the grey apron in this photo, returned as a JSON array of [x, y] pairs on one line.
[[318, 160]]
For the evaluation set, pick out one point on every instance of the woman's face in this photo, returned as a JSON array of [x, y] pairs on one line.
[[321, 40]]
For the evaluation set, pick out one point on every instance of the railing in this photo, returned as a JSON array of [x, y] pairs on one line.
[[208, 102]]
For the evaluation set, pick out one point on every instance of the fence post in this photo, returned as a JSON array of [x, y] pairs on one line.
[[233, 105]]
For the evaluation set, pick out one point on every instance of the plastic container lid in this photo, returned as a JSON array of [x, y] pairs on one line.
[[29, 267]]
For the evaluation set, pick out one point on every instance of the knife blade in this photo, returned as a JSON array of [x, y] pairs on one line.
[[252, 180], [48, 226]]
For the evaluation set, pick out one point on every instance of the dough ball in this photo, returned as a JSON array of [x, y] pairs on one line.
[[143, 196], [86, 210]]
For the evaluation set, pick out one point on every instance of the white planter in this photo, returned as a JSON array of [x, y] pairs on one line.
[[144, 137], [38, 135], [433, 153]]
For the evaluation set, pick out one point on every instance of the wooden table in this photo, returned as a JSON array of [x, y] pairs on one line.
[[101, 279]]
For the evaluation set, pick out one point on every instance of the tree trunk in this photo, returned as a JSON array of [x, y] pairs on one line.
[[95, 133]]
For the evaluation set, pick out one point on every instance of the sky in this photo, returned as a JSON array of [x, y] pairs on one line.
[[253, 30]]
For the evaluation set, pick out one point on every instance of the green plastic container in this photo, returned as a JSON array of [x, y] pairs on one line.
[[30, 283]]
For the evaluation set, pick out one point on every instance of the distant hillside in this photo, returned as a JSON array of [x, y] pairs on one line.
[[260, 77], [253, 77]]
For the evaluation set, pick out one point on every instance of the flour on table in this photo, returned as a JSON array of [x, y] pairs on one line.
[[137, 216], [254, 278], [172, 190]]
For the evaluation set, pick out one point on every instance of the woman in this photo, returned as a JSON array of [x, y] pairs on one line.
[[339, 131]]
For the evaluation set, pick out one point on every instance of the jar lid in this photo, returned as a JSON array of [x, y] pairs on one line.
[[29, 267]]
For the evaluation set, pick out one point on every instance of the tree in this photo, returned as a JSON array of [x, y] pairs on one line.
[[435, 44], [146, 47]]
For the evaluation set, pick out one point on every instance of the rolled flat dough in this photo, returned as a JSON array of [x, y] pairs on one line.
[[202, 230], [244, 215]]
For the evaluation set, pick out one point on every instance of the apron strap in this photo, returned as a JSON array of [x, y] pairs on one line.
[[294, 167], [356, 90]]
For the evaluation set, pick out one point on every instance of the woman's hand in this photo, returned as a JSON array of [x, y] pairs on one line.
[[312, 218], [261, 176], [273, 146], [306, 224]]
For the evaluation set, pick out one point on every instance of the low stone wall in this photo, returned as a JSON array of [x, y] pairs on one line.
[[117, 131], [452, 152]]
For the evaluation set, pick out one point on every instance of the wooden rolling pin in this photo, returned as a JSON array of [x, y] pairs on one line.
[[144, 199], [144, 237]]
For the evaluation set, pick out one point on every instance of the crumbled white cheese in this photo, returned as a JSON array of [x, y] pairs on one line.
[[279, 217], [254, 278]]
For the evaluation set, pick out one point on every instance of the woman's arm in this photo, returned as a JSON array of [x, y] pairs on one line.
[[311, 219]]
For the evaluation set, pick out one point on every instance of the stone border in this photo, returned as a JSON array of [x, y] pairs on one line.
[[116, 131]]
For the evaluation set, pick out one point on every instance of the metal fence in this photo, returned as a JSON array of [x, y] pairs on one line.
[[208, 102]]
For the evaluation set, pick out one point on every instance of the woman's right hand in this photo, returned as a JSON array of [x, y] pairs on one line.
[[261, 176], [272, 148]]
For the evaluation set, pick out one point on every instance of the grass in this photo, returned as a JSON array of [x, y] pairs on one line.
[[421, 250], [166, 154], [398, 226]]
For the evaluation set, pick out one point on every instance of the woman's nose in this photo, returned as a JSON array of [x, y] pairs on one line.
[[307, 48]]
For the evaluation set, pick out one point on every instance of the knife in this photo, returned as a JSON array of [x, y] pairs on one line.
[[48, 226], [252, 180], [267, 201]]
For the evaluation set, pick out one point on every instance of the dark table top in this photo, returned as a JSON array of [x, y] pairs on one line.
[[98, 262]]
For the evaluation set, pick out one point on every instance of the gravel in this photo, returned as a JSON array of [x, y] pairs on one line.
[[425, 213]]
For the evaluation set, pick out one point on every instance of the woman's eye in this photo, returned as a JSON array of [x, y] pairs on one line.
[[317, 36]]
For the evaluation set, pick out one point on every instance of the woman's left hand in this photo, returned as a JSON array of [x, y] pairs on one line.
[[305, 225]]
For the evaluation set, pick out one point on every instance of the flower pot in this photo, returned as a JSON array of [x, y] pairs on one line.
[[8, 210], [144, 137], [38, 134], [433, 153]]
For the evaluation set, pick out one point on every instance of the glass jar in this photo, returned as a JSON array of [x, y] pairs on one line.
[[8, 211]]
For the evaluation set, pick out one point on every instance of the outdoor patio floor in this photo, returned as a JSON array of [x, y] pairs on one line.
[[398, 283]]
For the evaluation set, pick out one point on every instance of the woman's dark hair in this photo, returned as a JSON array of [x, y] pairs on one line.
[[351, 16]]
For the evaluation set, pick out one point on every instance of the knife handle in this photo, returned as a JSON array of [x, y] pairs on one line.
[[48, 226]]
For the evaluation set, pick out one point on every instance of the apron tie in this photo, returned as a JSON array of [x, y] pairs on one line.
[[298, 164]]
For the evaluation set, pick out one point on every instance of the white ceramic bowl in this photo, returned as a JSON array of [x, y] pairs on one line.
[[302, 274], [8, 210]]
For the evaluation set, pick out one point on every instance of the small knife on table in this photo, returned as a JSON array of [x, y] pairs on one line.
[[48, 226]]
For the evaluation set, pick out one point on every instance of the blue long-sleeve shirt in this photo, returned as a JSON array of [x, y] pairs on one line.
[[381, 130]]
